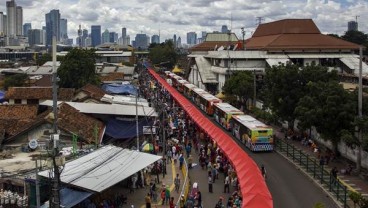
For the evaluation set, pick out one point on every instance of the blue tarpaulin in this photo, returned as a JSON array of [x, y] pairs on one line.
[[2, 96], [125, 129], [120, 89], [70, 197]]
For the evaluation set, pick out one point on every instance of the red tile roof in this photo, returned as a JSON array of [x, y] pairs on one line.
[[114, 76], [64, 94], [93, 91], [294, 34], [210, 45], [18, 111]]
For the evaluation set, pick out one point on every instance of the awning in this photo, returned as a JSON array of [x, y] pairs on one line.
[[353, 63], [125, 129], [70, 197], [103, 168], [276, 62], [253, 187]]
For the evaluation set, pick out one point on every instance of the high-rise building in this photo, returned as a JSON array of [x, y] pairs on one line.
[[3, 24], [87, 42], [105, 37], [19, 21], [84, 37], [204, 33], [224, 29], [34, 36], [52, 26], [191, 38], [123, 32], [155, 39], [352, 26], [95, 35], [141, 41], [26, 27], [178, 42], [113, 37], [11, 12], [174, 41], [63, 30]]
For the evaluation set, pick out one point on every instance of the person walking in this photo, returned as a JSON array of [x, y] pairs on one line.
[[210, 183], [177, 183], [227, 185], [148, 200], [167, 194], [171, 203], [334, 175]]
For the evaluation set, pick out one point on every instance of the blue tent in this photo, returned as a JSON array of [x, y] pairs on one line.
[[70, 197], [2, 96], [125, 129], [120, 89]]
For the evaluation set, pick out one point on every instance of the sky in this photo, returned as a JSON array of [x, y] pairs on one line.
[[182, 16]]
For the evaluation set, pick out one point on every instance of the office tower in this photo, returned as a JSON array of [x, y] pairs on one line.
[[191, 38], [155, 39], [105, 38], [224, 29], [123, 32], [352, 26], [19, 21], [127, 40], [2, 24], [113, 37], [204, 34], [178, 42], [26, 27], [63, 30], [141, 41], [84, 37], [34, 37], [52, 26], [148, 40], [88, 42], [96, 35], [11, 12], [43, 35], [174, 41]]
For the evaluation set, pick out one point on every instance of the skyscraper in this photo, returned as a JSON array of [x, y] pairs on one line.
[[174, 40], [52, 26], [96, 35], [155, 39], [141, 41], [191, 38], [19, 21], [26, 27], [352, 26], [11, 11], [34, 36], [105, 36], [224, 29], [113, 37], [178, 42], [3, 24], [123, 32], [63, 30]]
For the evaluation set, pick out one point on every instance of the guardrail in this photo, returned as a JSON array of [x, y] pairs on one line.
[[186, 185], [312, 167]]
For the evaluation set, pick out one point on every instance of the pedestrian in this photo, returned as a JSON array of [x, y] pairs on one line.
[[169, 155], [163, 195], [198, 197], [148, 200], [177, 183], [210, 182], [190, 161], [227, 185], [167, 194], [334, 175], [171, 203], [181, 161]]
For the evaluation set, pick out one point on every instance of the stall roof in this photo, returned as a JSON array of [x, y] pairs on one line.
[[253, 187], [103, 168], [108, 109]]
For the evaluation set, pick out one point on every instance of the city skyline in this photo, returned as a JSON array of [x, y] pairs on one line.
[[174, 18]]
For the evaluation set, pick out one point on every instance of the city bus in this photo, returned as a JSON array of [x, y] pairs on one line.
[[222, 112], [205, 102], [180, 85], [256, 135], [175, 80], [188, 90]]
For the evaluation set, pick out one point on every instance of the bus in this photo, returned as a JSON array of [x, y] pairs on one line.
[[256, 135], [206, 101], [180, 85], [188, 90], [175, 80], [222, 112]]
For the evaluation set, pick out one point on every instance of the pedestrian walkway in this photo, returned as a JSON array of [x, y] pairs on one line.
[[353, 182]]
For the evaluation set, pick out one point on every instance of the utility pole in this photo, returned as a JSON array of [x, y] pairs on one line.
[[136, 117], [360, 114], [259, 20], [164, 141], [254, 88], [243, 33], [55, 203], [38, 203]]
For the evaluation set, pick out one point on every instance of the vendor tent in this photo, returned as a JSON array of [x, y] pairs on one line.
[[70, 197], [125, 129], [120, 89]]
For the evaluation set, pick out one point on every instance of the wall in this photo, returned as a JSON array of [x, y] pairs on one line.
[[36, 133], [221, 80], [310, 61]]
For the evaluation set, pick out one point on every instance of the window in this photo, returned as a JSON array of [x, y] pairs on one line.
[[17, 101]]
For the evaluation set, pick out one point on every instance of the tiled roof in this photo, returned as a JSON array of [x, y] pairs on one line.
[[210, 45], [113, 76], [64, 94], [294, 34], [18, 111], [93, 91], [71, 120]]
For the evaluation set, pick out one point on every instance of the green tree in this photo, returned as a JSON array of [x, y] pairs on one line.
[[78, 69], [163, 54], [16, 80], [41, 60], [357, 37], [240, 84]]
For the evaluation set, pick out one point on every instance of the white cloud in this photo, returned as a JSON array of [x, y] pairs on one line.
[[179, 17]]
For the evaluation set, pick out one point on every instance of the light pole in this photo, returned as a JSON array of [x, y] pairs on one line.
[[136, 116], [254, 88], [243, 33]]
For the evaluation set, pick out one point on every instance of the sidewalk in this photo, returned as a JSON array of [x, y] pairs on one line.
[[352, 182]]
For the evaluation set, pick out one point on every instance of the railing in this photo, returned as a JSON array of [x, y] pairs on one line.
[[186, 185], [312, 167]]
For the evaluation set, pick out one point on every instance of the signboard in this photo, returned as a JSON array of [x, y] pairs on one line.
[[149, 130]]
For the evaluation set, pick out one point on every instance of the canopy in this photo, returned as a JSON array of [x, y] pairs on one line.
[[70, 197], [220, 95], [253, 187], [120, 89], [177, 70], [103, 168], [125, 129]]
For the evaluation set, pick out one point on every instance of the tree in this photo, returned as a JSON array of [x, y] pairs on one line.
[[43, 59], [355, 37], [16, 80], [240, 84], [78, 69], [163, 53]]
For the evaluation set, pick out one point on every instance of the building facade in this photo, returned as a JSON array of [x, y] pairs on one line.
[[155, 39], [52, 26], [352, 26], [105, 38], [63, 30], [26, 27], [191, 38], [141, 41], [95, 35], [34, 37]]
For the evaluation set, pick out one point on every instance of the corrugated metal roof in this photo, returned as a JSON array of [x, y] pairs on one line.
[[353, 63], [221, 37], [103, 168]]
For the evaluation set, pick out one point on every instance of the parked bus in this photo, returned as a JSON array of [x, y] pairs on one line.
[[175, 80], [256, 135], [222, 113], [188, 90], [180, 85], [206, 101]]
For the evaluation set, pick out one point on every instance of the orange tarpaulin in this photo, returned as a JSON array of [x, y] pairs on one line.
[[253, 187]]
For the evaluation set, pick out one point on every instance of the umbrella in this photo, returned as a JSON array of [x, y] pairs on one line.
[[147, 147]]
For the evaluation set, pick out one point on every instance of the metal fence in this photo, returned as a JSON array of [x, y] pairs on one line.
[[312, 168], [186, 185]]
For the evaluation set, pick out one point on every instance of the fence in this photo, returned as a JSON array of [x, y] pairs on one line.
[[186, 185], [312, 167]]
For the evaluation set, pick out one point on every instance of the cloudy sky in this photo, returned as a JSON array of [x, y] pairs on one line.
[[179, 17]]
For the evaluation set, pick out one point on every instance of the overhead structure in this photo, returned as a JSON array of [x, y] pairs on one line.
[[253, 187]]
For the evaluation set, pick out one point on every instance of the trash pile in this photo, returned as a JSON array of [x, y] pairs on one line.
[[10, 198]]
